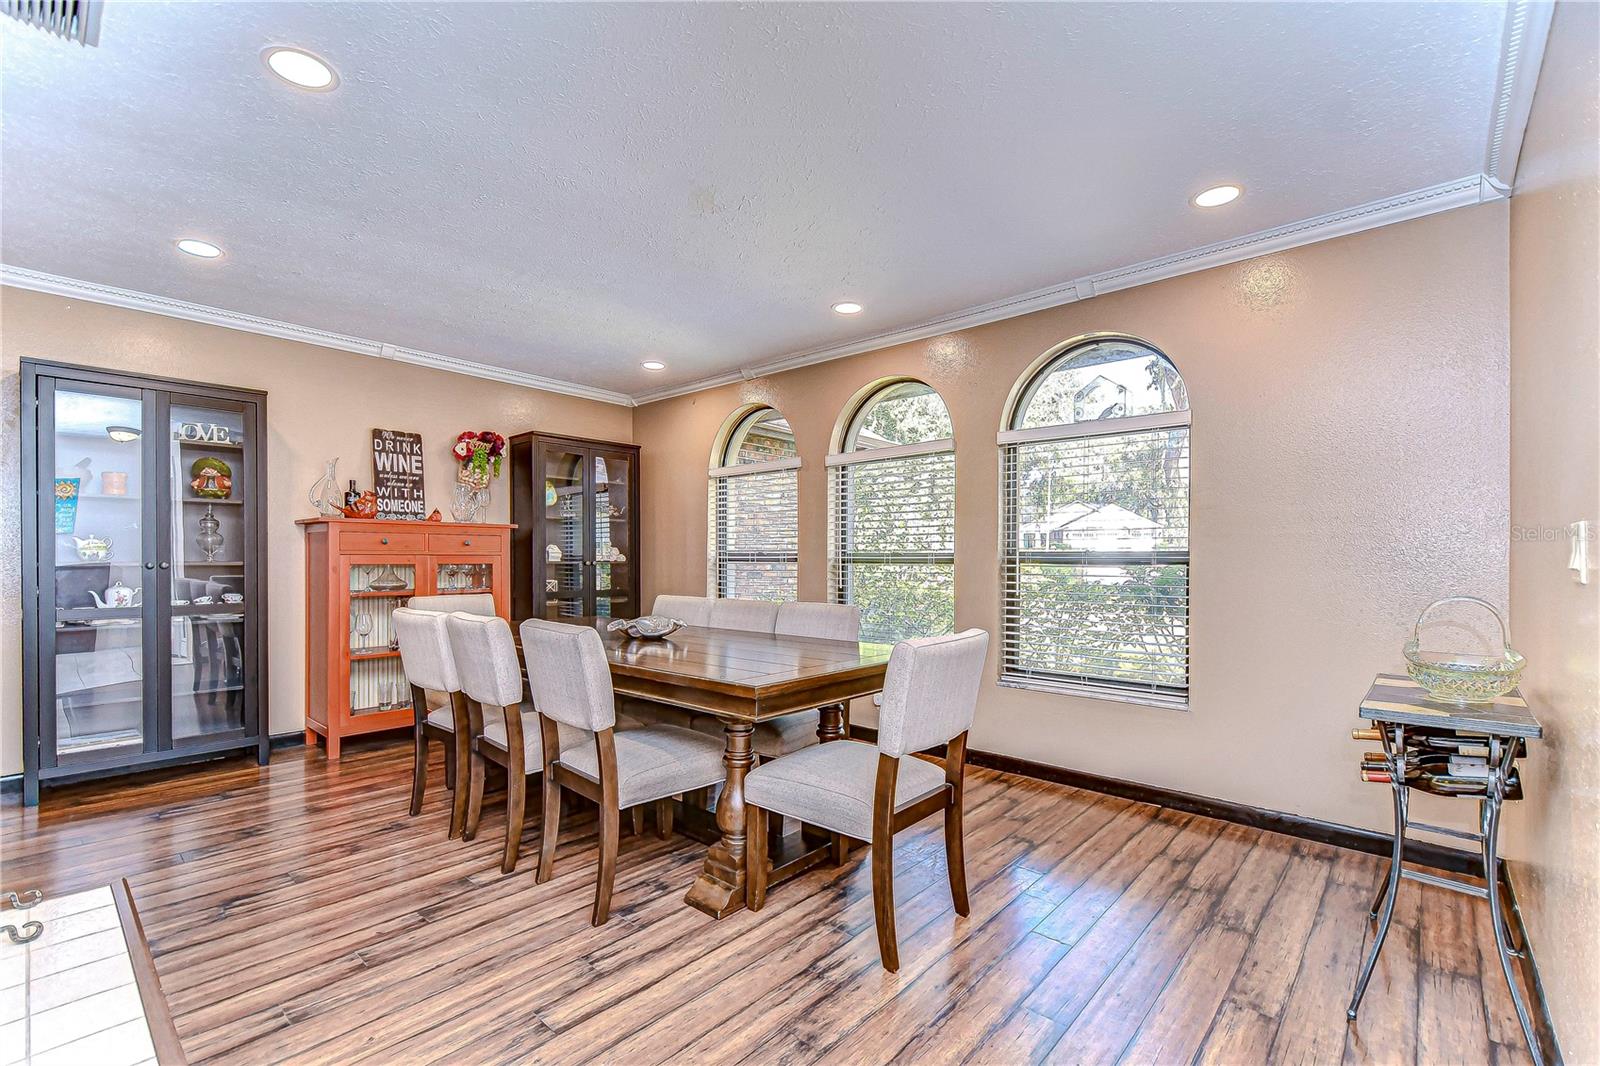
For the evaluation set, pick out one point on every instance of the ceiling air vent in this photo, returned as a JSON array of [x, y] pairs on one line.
[[76, 20]]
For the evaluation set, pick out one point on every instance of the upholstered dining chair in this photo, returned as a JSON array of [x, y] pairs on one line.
[[871, 792], [504, 732], [479, 603], [571, 684], [430, 668], [690, 610]]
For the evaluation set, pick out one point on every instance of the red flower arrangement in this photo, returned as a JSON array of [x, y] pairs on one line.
[[480, 454]]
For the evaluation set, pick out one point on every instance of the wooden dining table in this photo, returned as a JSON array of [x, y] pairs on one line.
[[744, 679]]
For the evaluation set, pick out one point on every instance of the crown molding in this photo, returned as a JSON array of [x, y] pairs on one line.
[[1473, 189], [1527, 28], [55, 284]]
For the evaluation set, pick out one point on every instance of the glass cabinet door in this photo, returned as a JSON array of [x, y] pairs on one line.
[[208, 595], [377, 587], [566, 521], [613, 550], [95, 508]]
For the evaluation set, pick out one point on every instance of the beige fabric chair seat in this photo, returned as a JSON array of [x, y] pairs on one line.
[[831, 785], [443, 718], [772, 739], [494, 731], [653, 762]]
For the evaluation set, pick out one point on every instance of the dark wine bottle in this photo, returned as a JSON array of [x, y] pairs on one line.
[[352, 495]]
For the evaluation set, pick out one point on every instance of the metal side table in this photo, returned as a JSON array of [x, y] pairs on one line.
[[1418, 735]]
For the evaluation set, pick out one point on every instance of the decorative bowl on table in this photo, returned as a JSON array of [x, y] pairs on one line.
[[648, 627], [1463, 677]]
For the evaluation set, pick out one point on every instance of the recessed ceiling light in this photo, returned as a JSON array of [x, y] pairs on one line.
[[203, 249], [653, 364], [1216, 197], [301, 69], [848, 307]]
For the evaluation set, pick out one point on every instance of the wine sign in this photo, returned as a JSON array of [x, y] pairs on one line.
[[397, 474]]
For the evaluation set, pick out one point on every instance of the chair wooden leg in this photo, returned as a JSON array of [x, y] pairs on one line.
[[841, 849], [450, 769], [610, 829], [955, 856], [883, 902], [458, 763], [755, 857], [636, 820], [883, 861], [419, 768], [549, 827], [664, 818], [474, 797], [516, 804]]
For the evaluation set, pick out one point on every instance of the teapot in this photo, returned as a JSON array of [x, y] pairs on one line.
[[92, 549], [118, 595]]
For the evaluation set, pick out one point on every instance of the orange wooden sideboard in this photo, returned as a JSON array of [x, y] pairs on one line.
[[357, 572]]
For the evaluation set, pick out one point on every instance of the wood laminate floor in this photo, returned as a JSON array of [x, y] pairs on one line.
[[297, 915]]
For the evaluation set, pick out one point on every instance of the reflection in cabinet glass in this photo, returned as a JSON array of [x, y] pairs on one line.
[[145, 556], [575, 548]]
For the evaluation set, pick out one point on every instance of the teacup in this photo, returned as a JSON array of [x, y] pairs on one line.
[[205, 599], [232, 597]]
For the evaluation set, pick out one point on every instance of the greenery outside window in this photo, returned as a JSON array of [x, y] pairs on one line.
[[1095, 531], [892, 514]]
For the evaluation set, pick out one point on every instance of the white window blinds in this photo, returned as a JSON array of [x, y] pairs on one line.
[[1096, 558], [755, 531], [892, 547]]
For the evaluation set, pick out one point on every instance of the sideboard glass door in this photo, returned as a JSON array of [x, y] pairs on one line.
[[95, 509], [211, 594]]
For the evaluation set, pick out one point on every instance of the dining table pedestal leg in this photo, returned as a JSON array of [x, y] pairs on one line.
[[719, 890], [830, 722]]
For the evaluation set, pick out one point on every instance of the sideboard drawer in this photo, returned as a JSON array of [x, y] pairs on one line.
[[465, 543], [381, 542]]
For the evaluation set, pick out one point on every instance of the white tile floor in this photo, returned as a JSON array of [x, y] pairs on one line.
[[69, 996]]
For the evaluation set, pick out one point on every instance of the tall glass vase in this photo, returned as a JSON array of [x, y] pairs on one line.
[[468, 503]]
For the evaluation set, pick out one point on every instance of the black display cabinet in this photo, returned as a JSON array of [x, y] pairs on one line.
[[143, 572]]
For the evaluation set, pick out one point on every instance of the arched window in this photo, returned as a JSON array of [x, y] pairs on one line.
[[1095, 537], [892, 507], [755, 544]]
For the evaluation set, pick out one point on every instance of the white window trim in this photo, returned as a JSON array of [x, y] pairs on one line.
[[1100, 427], [899, 451], [791, 463]]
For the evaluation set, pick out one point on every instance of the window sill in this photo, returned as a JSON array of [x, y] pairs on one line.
[[1090, 692]]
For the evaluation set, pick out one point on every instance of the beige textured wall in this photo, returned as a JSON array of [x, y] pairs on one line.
[[321, 403], [1555, 480], [1349, 454]]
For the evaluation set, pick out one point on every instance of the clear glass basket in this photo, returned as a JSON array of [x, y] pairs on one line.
[[1463, 677]]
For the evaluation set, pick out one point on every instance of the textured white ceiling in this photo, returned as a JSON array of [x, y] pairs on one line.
[[566, 189]]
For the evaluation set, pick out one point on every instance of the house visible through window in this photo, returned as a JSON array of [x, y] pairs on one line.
[[1095, 536], [754, 504], [892, 506]]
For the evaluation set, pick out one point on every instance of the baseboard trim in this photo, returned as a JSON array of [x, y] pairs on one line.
[[13, 782], [1370, 841]]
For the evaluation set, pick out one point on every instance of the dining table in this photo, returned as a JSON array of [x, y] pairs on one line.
[[743, 678]]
